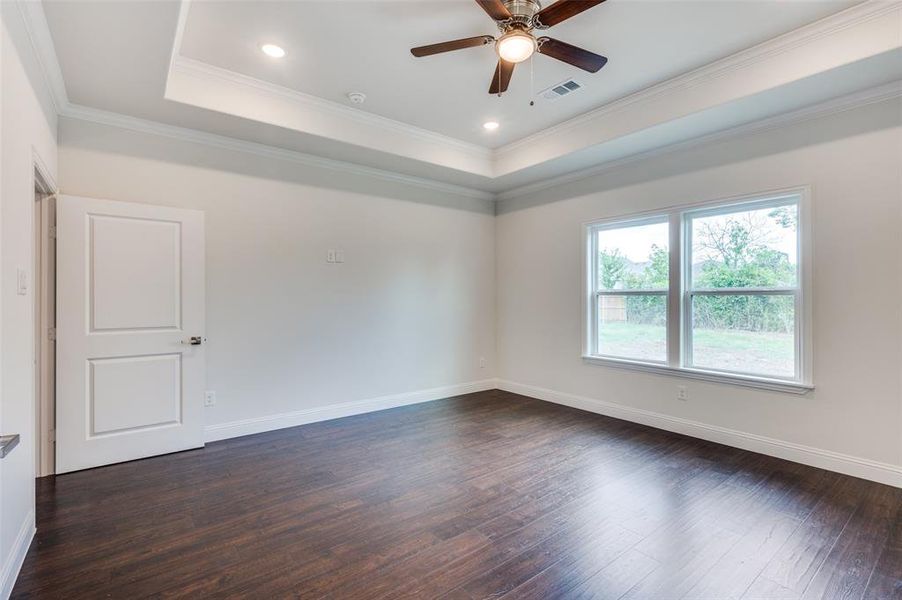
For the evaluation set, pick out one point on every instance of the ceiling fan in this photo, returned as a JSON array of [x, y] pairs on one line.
[[516, 19]]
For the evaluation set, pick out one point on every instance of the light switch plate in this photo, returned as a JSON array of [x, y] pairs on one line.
[[21, 282]]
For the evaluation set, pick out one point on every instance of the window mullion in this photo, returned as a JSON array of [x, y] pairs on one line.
[[674, 292]]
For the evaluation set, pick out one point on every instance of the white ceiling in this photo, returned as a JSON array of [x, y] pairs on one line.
[[198, 66], [338, 46]]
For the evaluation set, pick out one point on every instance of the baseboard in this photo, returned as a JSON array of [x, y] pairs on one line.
[[815, 457], [16, 557], [232, 429]]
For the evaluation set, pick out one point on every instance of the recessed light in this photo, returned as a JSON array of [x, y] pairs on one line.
[[272, 50], [490, 125]]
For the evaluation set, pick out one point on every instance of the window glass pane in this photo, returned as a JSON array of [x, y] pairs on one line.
[[633, 258], [751, 334], [633, 327], [747, 248]]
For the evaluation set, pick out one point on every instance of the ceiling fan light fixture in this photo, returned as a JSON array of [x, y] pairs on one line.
[[517, 20], [515, 46]]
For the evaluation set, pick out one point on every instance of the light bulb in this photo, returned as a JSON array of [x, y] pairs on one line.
[[515, 46], [272, 50]]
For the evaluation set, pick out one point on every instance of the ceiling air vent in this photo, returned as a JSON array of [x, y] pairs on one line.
[[561, 89]]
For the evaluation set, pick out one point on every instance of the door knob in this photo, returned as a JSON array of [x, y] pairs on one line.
[[196, 340]]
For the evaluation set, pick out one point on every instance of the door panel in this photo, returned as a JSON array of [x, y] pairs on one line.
[[130, 292], [135, 273], [150, 385]]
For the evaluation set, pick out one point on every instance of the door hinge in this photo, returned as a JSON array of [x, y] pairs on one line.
[[51, 334], [51, 435], [52, 232]]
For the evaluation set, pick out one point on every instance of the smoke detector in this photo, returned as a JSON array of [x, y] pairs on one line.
[[357, 97]]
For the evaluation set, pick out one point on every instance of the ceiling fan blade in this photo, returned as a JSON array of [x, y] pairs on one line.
[[561, 11], [472, 42], [502, 77], [585, 60], [495, 9]]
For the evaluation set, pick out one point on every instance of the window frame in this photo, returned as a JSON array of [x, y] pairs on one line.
[[679, 294], [593, 230]]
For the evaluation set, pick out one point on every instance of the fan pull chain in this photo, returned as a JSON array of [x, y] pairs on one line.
[[532, 81]]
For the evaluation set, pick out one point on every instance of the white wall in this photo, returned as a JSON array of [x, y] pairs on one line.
[[853, 161], [28, 129], [411, 309]]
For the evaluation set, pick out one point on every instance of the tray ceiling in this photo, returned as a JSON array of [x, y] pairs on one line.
[[336, 47], [678, 70]]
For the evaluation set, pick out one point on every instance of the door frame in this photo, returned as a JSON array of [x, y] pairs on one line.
[[44, 314]]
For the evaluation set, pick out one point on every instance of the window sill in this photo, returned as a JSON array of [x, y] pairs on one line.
[[774, 385]]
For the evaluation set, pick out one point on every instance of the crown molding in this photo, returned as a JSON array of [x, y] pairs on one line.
[[181, 23], [830, 107], [805, 35], [308, 102], [836, 105], [38, 32], [102, 117]]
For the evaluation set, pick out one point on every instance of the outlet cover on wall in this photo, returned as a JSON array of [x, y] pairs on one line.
[[682, 393], [209, 398], [335, 256]]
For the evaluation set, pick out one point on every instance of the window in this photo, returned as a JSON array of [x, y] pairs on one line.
[[716, 291], [631, 282], [743, 273]]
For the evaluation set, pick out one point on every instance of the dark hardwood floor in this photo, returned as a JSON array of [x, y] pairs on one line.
[[489, 495]]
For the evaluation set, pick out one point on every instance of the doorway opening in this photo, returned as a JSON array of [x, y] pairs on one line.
[[44, 269]]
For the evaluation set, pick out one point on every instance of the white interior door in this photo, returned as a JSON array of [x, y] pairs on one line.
[[130, 296]]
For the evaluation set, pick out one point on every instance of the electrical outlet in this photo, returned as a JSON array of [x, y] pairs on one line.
[[209, 398], [682, 393], [335, 256], [330, 256]]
